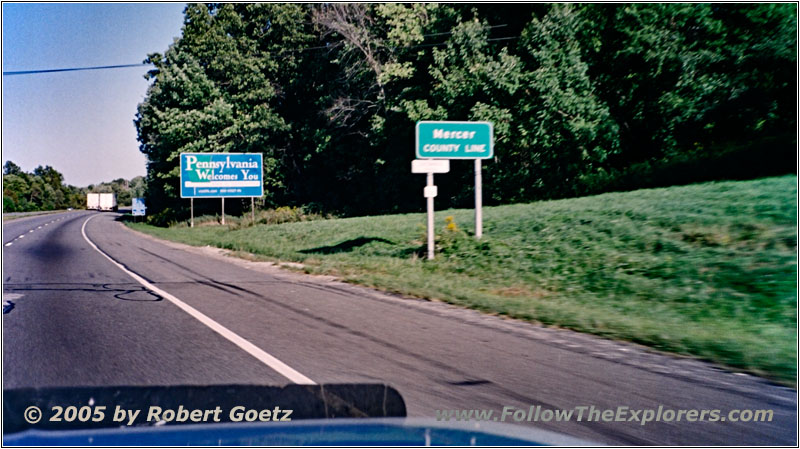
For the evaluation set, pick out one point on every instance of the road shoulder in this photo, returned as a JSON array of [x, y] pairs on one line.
[[626, 353]]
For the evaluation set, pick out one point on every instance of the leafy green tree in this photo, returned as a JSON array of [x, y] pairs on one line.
[[584, 97], [565, 131], [8, 204], [137, 187], [215, 91], [11, 168], [41, 190], [15, 190], [680, 78]]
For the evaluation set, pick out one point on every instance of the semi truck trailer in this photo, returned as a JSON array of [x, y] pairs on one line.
[[101, 201], [108, 201], [93, 201]]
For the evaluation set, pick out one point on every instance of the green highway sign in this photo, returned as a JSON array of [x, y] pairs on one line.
[[455, 140]]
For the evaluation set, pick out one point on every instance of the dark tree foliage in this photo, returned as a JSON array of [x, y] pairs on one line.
[[44, 189], [584, 98], [124, 189]]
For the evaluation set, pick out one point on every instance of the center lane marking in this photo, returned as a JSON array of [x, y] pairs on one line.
[[264, 357]]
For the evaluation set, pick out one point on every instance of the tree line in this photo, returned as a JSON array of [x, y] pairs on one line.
[[124, 189], [584, 98], [44, 189]]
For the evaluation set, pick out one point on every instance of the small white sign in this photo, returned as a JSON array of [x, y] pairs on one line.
[[430, 166], [431, 191]]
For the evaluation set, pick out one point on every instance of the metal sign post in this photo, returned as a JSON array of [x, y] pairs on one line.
[[429, 167], [478, 201], [191, 201], [430, 194], [253, 209], [223, 210]]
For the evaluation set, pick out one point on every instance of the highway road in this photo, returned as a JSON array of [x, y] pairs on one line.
[[145, 312]]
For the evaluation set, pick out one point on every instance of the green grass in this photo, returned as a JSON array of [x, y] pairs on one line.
[[707, 269]]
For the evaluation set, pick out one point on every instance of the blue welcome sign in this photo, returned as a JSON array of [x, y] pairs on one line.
[[138, 207], [220, 175]]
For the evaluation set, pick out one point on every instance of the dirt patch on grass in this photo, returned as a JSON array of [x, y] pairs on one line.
[[520, 291]]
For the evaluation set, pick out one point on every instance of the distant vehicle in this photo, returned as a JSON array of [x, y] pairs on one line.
[[93, 201], [101, 201], [108, 201]]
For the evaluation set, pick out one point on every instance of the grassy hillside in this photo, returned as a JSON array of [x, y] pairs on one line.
[[708, 269]]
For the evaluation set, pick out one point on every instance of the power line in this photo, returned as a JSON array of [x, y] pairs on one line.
[[495, 39], [122, 66], [444, 33], [331, 46], [74, 69]]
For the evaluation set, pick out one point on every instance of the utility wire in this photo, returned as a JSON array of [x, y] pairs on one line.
[[74, 69], [324, 47], [487, 40], [122, 66], [444, 33]]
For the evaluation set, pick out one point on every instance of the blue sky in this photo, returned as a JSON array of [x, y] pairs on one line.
[[81, 123]]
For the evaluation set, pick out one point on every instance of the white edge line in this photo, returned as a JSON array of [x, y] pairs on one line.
[[264, 357]]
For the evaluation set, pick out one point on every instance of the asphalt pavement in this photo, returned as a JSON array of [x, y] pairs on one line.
[[155, 313]]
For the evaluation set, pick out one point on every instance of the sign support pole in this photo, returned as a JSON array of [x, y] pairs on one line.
[[191, 201], [430, 219], [478, 201], [223, 210], [253, 209]]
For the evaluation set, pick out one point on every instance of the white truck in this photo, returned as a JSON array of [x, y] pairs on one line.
[[93, 201], [108, 201], [101, 201]]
